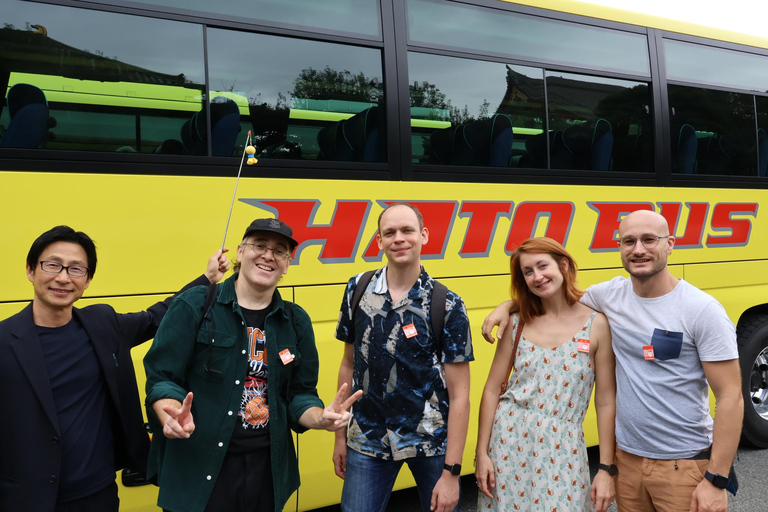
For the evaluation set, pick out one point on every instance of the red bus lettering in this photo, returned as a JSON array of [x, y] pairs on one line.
[[340, 238], [609, 216], [483, 219], [694, 227], [528, 215], [739, 230]]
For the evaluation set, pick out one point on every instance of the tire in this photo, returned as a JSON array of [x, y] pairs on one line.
[[753, 359]]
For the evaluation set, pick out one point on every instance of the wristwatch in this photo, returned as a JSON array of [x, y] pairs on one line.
[[612, 469], [719, 481], [454, 469]]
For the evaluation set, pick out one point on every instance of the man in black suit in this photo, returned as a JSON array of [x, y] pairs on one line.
[[68, 394]]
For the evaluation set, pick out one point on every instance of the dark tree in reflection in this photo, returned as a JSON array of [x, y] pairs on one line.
[[330, 84]]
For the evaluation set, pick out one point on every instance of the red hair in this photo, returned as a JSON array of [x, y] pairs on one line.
[[529, 304]]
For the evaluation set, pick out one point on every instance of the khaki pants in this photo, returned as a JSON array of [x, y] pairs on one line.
[[650, 485]]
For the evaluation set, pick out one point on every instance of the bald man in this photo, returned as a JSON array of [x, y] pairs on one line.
[[671, 340]]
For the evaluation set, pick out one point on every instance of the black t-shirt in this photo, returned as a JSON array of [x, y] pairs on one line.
[[252, 427], [83, 410]]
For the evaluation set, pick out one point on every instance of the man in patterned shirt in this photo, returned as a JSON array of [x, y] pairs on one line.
[[415, 403]]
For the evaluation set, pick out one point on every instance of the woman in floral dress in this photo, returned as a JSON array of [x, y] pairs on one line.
[[531, 453]]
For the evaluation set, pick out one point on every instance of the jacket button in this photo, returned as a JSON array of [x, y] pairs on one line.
[[237, 382], [208, 477], [221, 445], [55, 440], [52, 479], [229, 413]]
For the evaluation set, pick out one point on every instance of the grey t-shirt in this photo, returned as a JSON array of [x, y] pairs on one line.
[[662, 405]]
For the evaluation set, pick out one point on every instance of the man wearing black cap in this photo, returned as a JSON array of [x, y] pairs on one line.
[[251, 365]]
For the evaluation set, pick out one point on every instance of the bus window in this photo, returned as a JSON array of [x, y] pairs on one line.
[[713, 132], [689, 62], [356, 16], [762, 135], [103, 88], [471, 112], [303, 99], [451, 24], [599, 124]]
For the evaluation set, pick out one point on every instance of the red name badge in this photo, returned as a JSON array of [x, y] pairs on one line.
[[410, 330], [286, 356], [582, 345], [648, 353]]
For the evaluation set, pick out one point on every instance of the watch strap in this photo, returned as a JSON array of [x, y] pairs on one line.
[[454, 469], [719, 481], [612, 469]]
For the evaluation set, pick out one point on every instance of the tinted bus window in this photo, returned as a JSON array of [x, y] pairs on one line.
[[466, 112], [599, 123], [529, 37], [701, 64], [713, 132], [762, 135], [77, 79], [356, 16], [302, 99]]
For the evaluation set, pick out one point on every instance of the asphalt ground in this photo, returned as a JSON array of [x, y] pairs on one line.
[[751, 467]]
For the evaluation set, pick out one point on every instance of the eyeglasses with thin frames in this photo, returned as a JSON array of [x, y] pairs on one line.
[[260, 248], [54, 267], [649, 241]]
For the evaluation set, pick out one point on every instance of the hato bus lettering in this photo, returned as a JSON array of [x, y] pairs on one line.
[[342, 237]]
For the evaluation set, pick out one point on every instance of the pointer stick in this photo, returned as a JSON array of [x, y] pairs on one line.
[[250, 150]]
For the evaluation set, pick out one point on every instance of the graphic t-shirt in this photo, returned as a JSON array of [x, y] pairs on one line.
[[252, 428]]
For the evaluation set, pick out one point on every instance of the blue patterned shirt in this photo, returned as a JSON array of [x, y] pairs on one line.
[[404, 408]]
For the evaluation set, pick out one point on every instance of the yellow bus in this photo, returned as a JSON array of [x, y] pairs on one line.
[[500, 120]]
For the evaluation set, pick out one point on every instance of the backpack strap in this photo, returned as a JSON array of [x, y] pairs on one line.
[[210, 299], [437, 313], [360, 287]]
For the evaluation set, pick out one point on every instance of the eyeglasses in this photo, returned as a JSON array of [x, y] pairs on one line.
[[260, 248], [649, 241], [54, 267]]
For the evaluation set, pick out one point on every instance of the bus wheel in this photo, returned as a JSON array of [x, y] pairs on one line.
[[753, 358]]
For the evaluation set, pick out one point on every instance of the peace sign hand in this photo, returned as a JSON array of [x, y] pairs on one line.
[[336, 416]]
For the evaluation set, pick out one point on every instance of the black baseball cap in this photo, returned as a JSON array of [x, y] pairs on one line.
[[273, 226]]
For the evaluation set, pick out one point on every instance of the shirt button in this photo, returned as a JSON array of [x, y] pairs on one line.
[[208, 477], [52, 479], [237, 382], [243, 351], [221, 444], [242, 323], [230, 413]]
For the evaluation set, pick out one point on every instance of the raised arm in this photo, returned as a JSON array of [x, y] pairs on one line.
[[500, 317]]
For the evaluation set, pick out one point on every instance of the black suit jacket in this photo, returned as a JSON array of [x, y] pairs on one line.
[[30, 451]]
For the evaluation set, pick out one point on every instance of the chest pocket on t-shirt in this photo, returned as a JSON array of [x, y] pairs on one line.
[[666, 344]]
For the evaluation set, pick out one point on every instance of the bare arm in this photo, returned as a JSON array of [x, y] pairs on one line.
[[500, 317], [485, 472], [603, 491], [445, 495], [345, 377], [724, 378]]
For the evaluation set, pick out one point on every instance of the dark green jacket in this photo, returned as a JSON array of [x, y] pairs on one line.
[[186, 469]]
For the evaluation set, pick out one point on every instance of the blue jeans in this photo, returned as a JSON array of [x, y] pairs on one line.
[[369, 481]]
